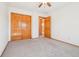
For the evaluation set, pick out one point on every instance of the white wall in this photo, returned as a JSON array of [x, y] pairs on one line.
[[65, 23], [35, 21], [3, 27]]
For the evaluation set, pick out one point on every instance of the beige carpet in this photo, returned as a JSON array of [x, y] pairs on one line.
[[40, 47]]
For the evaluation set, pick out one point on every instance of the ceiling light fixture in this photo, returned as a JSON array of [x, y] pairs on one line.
[[45, 4]]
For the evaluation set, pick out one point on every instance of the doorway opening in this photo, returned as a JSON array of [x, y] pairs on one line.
[[45, 26]]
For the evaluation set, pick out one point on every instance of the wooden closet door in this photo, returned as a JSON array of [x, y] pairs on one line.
[[26, 31], [15, 30], [20, 26], [47, 29]]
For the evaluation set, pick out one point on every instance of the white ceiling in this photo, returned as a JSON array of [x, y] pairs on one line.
[[34, 6]]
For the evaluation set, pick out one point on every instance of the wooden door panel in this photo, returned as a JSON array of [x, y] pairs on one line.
[[47, 29], [26, 32], [15, 31]]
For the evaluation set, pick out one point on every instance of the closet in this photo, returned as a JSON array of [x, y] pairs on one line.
[[20, 26]]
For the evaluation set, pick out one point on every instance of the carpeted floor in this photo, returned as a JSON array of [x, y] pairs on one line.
[[40, 47]]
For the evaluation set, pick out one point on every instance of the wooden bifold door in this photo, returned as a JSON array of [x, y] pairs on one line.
[[47, 27], [20, 26]]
